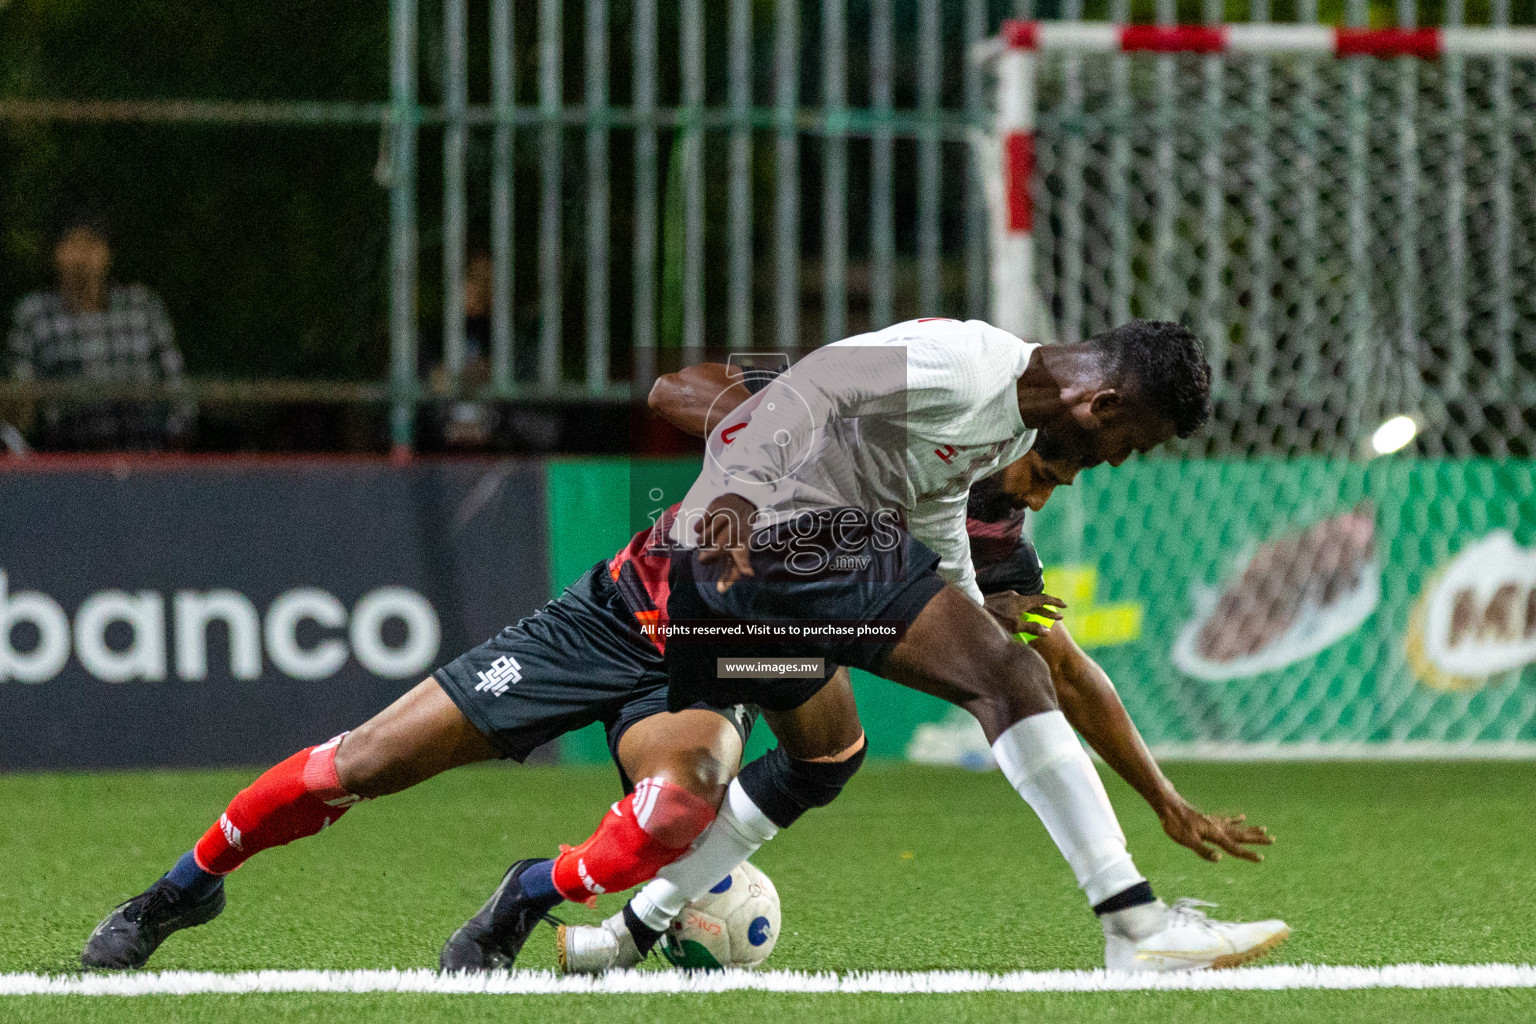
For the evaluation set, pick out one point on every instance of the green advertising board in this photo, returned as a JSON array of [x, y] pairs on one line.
[[1262, 608]]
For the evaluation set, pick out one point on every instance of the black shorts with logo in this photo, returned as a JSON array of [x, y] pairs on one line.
[[580, 659], [822, 567]]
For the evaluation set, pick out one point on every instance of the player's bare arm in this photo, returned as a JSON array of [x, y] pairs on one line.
[[696, 398], [1092, 705], [1090, 702], [724, 532]]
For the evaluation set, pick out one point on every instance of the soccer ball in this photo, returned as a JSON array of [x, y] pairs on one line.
[[735, 924]]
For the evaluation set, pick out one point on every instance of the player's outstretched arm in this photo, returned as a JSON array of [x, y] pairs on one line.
[[1091, 705], [696, 398]]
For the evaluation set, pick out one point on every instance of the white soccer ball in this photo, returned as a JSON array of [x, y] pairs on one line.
[[735, 924]]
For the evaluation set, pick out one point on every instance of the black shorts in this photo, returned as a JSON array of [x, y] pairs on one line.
[[825, 566], [580, 659]]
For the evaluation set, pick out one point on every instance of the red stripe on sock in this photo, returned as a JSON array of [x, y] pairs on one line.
[[638, 836], [295, 798]]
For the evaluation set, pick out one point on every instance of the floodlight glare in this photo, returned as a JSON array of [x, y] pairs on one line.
[[1394, 434]]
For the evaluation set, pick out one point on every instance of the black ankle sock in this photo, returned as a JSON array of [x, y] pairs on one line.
[[1135, 896], [644, 935]]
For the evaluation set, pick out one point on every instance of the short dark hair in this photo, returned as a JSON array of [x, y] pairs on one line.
[[87, 213], [1165, 368]]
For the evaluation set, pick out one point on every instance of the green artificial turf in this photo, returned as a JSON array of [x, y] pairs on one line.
[[913, 869]]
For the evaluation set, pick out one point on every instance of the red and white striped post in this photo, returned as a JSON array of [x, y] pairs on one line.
[[1013, 277], [1425, 43]]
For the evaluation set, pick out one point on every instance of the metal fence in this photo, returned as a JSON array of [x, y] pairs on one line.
[[732, 117], [829, 271], [653, 179]]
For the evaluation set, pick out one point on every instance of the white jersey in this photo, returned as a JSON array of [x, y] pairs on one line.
[[904, 419]]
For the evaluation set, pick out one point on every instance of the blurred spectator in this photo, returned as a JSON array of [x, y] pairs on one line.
[[90, 329], [467, 425]]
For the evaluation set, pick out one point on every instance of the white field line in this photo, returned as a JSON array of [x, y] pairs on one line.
[[1247, 979], [1410, 750]]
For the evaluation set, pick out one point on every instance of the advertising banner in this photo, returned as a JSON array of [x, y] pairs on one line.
[[229, 612], [1249, 609], [1312, 607]]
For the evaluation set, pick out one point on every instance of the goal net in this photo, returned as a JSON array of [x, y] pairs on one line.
[[1348, 220]]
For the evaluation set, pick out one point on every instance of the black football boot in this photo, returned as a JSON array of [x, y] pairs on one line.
[[135, 929], [491, 939]]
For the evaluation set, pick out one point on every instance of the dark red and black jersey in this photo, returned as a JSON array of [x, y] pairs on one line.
[[640, 570], [993, 542]]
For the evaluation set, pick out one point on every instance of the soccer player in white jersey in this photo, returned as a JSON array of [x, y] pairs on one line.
[[837, 496]]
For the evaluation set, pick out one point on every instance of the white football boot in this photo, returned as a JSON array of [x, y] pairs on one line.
[[1157, 937], [592, 949]]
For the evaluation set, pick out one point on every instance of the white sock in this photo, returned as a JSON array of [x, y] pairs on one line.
[[1044, 761], [738, 831], [1138, 922]]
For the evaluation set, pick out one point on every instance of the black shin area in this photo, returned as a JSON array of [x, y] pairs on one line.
[[785, 788]]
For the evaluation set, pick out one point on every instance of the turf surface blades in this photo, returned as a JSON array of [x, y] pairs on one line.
[[914, 869]]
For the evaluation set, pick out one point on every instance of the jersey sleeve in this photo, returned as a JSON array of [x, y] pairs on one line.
[[1021, 572], [940, 524]]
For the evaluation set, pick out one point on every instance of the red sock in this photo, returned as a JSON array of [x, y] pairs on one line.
[[638, 836], [291, 800]]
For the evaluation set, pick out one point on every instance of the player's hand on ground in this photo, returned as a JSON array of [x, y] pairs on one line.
[[723, 535], [1033, 614], [1210, 834]]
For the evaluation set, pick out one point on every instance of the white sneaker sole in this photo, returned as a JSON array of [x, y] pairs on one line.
[[1250, 955], [1174, 962]]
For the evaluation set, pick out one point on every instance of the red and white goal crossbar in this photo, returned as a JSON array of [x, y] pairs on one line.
[[1013, 302], [1428, 43]]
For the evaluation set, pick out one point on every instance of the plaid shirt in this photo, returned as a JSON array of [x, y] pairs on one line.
[[130, 342]]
